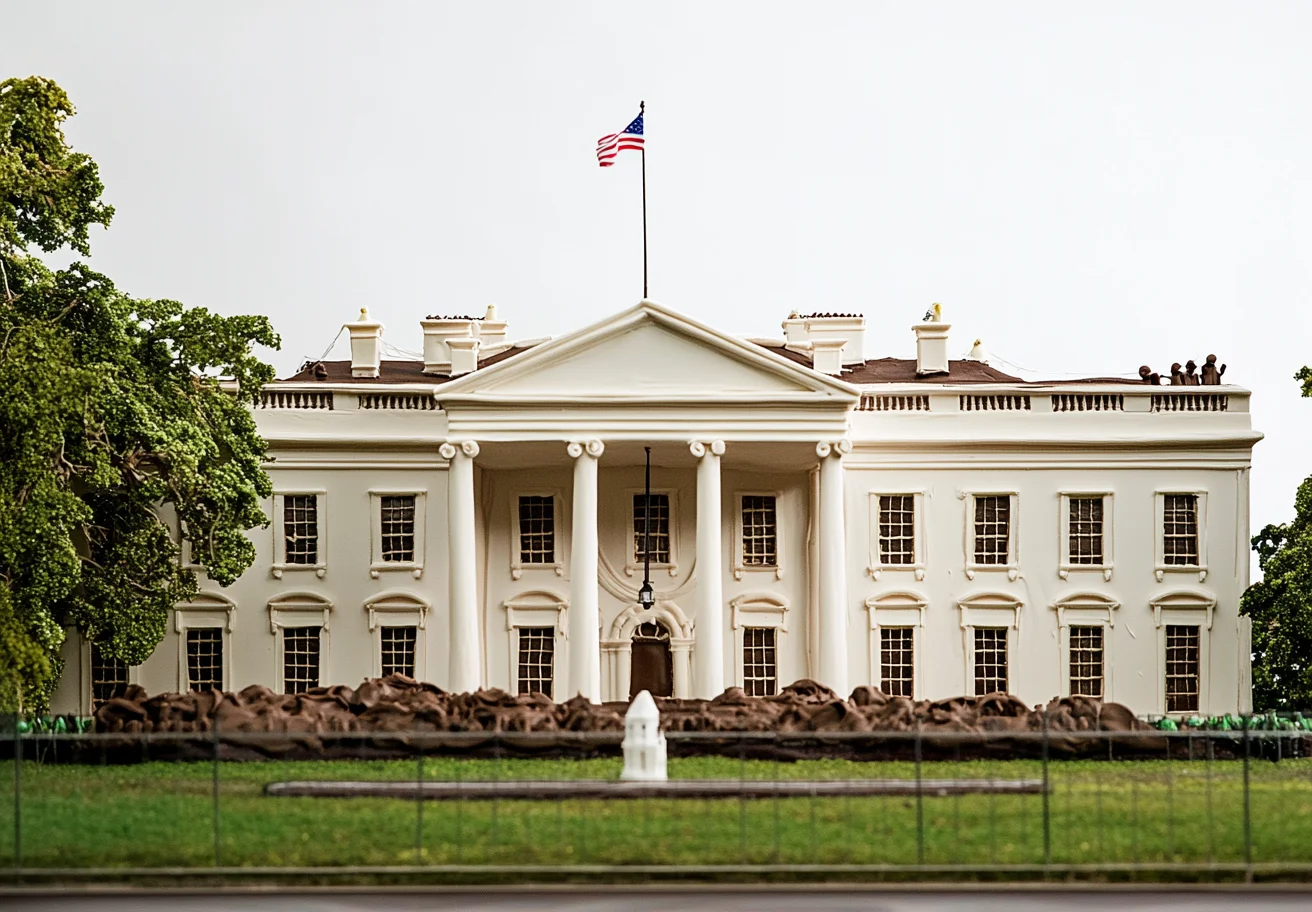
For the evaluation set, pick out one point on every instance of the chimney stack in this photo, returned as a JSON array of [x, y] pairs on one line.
[[437, 332], [849, 328], [464, 355], [931, 348], [827, 355], [794, 329], [366, 345], [491, 331]]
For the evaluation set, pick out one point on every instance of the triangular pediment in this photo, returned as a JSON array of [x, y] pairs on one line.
[[648, 353]]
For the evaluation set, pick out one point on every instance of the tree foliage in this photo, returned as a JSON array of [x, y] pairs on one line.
[[1281, 603], [111, 408]]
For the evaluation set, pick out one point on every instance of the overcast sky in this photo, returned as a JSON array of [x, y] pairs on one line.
[[1086, 187]]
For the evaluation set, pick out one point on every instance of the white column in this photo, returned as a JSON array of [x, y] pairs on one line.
[[832, 669], [708, 654], [584, 615], [465, 671]]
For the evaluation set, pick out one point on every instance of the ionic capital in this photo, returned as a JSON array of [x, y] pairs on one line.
[[593, 448], [700, 448], [840, 447], [467, 447]]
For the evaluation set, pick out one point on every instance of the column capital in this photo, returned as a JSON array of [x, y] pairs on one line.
[[468, 447], [840, 447], [593, 448], [700, 448]]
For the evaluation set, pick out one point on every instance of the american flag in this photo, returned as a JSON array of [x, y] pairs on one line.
[[613, 144]]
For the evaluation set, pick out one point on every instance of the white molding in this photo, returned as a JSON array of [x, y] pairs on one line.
[[291, 609], [760, 609], [204, 610], [1064, 566], [280, 565], [536, 608], [1159, 534], [633, 562], [378, 566], [398, 608], [1012, 565], [559, 522], [739, 566], [897, 608], [876, 566]]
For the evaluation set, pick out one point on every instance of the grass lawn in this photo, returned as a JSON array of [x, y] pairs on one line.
[[162, 814]]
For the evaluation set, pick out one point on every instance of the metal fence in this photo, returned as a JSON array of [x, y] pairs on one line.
[[1218, 805]]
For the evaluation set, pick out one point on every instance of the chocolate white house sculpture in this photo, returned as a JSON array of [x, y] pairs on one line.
[[927, 525]]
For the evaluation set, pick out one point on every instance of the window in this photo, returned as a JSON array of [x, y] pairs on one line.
[[300, 659], [659, 519], [1182, 668], [1087, 661], [1180, 530], [896, 660], [760, 531], [537, 529], [398, 650], [397, 517], [992, 529], [300, 528], [897, 529], [760, 667], [537, 659], [108, 677], [205, 659], [990, 660], [1085, 531]]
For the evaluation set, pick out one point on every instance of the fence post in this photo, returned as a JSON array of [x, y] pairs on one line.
[[218, 832], [419, 806], [1248, 808], [18, 794], [1047, 817], [920, 802]]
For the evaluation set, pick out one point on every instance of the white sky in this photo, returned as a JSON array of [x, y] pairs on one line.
[[1086, 187]]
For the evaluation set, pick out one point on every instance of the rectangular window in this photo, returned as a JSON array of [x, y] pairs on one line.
[[537, 659], [537, 529], [1087, 661], [760, 667], [109, 676], [1180, 530], [300, 659], [990, 660], [1086, 530], [992, 528], [659, 519], [398, 528], [1182, 669], [897, 529], [897, 660], [760, 531], [300, 528], [398, 650], [205, 658]]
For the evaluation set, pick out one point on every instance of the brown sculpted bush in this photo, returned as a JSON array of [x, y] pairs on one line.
[[397, 715]]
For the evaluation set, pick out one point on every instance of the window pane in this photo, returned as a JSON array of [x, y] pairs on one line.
[[897, 529], [537, 530], [759, 531], [992, 528], [659, 520], [109, 677], [1087, 661], [760, 667], [398, 528], [1182, 669], [537, 656], [300, 528], [990, 660], [1180, 529], [398, 647], [205, 659], [300, 659], [896, 660], [1086, 530]]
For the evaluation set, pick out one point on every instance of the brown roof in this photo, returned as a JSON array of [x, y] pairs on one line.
[[388, 371]]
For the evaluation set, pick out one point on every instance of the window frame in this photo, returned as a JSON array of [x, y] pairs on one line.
[[1087, 609], [989, 609], [560, 521], [740, 566], [774, 647], [632, 561], [378, 566], [88, 694], [282, 657], [877, 567], [1065, 566], [1012, 564], [1185, 608], [300, 608], [398, 608], [1009, 643], [518, 632], [536, 608], [205, 609], [280, 565], [759, 609], [418, 648], [900, 608], [1159, 534]]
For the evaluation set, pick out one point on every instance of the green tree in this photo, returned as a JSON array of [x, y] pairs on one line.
[[1281, 603], [110, 408]]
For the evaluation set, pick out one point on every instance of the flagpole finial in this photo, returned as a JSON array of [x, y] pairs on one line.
[[642, 106]]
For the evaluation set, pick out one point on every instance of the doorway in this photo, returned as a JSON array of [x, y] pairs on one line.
[[652, 668]]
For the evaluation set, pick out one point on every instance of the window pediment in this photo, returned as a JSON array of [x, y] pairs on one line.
[[1199, 603], [397, 603], [292, 608]]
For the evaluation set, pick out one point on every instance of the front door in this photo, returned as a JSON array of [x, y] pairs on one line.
[[652, 669]]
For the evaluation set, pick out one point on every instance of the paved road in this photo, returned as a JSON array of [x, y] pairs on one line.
[[674, 901]]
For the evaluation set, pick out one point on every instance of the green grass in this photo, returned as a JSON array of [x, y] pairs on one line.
[[161, 814]]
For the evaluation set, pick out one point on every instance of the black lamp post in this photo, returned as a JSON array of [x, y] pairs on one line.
[[646, 597]]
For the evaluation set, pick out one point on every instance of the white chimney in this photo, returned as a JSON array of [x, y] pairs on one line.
[[366, 345], [464, 355], [437, 330], [644, 743], [794, 329], [491, 330], [827, 355], [931, 348], [851, 328]]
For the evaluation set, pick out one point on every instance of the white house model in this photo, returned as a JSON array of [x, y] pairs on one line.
[[644, 742], [930, 526]]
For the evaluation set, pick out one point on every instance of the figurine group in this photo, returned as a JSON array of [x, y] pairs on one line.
[[1209, 376]]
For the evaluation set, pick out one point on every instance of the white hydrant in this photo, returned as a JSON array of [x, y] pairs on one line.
[[644, 743]]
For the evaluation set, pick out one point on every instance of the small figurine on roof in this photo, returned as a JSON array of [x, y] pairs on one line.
[[1211, 375], [934, 314]]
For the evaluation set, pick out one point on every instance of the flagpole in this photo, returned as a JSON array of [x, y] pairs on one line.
[[642, 108]]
